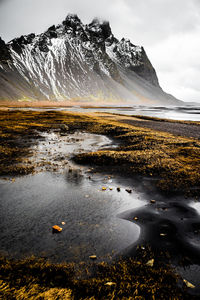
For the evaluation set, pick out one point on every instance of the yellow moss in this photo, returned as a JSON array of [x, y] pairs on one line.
[[131, 279], [145, 151]]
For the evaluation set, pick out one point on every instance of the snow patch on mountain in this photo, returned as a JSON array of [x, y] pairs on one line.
[[73, 60]]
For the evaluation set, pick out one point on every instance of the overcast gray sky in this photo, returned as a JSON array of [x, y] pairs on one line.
[[169, 30]]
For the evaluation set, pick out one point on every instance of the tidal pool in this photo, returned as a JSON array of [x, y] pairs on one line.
[[31, 205]]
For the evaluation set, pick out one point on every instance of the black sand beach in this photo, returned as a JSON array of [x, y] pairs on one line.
[[181, 128]]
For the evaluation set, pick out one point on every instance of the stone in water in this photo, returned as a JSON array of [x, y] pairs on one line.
[[56, 228]]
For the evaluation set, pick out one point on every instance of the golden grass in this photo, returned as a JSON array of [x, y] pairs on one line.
[[175, 160], [128, 279]]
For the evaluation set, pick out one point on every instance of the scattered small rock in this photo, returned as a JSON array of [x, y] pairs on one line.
[[135, 218], [56, 229], [109, 283], [64, 127], [118, 189], [163, 234], [103, 188], [63, 223], [150, 263], [153, 201], [110, 188], [93, 257], [188, 284], [164, 208], [128, 191]]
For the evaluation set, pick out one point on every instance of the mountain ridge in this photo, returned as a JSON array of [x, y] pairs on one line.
[[73, 60]]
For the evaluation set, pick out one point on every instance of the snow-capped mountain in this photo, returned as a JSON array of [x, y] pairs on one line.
[[77, 61]]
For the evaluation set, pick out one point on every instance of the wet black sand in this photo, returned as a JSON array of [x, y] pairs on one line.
[[185, 130], [175, 128]]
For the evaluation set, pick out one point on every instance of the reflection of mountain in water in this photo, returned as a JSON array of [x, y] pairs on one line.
[[74, 177], [84, 62]]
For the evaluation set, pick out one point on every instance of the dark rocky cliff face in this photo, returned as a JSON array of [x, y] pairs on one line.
[[4, 52], [73, 60]]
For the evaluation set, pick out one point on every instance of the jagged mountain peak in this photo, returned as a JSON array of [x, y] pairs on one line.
[[78, 60], [72, 20], [101, 28], [96, 32], [71, 27], [19, 43]]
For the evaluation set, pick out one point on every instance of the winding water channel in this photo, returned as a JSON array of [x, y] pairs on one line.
[[31, 205]]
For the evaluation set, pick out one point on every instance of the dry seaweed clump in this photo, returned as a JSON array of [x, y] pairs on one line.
[[127, 279]]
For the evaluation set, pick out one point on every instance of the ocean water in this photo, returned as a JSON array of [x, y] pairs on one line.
[[187, 113]]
